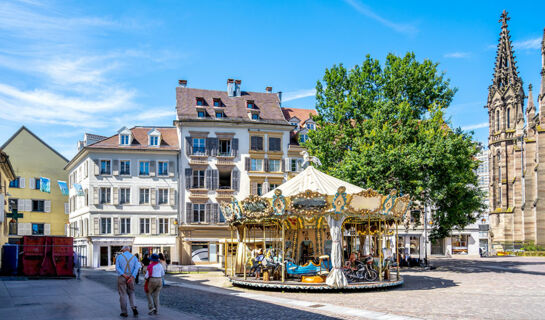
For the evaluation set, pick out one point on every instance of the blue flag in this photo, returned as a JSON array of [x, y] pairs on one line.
[[45, 185], [79, 189], [64, 187]]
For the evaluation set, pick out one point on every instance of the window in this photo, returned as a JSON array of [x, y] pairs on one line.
[[198, 212], [125, 167], [256, 143], [220, 115], [163, 196], [293, 165], [105, 195], [217, 103], [200, 101], [154, 141], [255, 116], [250, 104], [163, 225], [125, 225], [144, 225], [144, 168], [37, 229], [15, 183], [225, 147], [508, 117], [162, 168], [225, 179], [274, 144], [125, 196], [256, 165], [497, 120], [37, 182], [273, 186], [144, 196], [221, 217], [414, 243], [259, 189], [198, 179], [274, 165], [38, 205], [295, 123], [303, 138], [201, 114], [199, 146], [105, 225], [105, 167], [310, 126], [124, 139]]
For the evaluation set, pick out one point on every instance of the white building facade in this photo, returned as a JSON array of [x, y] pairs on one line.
[[123, 191]]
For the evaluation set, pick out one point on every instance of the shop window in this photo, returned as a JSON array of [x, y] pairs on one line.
[[199, 252], [414, 245], [459, 244]]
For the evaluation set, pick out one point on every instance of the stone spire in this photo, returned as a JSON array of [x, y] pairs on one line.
[[505, 71], [531, 109], [541, 96]]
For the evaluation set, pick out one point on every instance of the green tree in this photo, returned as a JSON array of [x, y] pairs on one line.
[[383, 127]]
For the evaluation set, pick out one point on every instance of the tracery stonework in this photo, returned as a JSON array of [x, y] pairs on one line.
[[517, 145]]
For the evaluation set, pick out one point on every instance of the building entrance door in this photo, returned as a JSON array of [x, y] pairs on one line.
[[103, 256], [114, 251], [438, 247]]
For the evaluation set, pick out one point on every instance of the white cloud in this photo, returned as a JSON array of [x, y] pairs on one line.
[[368, 12], [527, 44], [475, 126], [298, 94], [457, 55]]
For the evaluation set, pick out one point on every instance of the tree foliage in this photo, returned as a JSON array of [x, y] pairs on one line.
[[383, 127]]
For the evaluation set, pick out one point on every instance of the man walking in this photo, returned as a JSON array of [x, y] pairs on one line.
[[126, 266]]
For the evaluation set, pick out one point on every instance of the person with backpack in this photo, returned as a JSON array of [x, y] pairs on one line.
[[154, 275], [127, 267]]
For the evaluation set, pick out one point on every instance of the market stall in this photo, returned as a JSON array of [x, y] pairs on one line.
[[315, 232]]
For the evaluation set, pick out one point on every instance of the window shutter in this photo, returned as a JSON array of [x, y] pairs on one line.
[[188, 176], [47, 206], [22, 183], [253, 188], [116, 167], [24, 229], [286, 165], [172, 227], [116, 225], [95, 195], [247, 164], [171, 196], [266, 165], [47, 229], [234, 147], [213, 146], [153, 196], [207, 213], [215, 213], [96, 226], [28, 205], [66, 208], [153, 225], [21, 205], [32, 183], [215, 179], [253, 143], [116, 196], [95, 165], [171, 168], [208, 179], [86, 197], [188, 212], [152, 168], [86, 169], [235, 180], [265, 187], [188, 146]]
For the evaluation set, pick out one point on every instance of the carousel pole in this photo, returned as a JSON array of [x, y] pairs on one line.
[[368, 237], [231, 255], [397, 252], [244, 250], [264, 238], [283, 253], [225, 257], [380, 251]]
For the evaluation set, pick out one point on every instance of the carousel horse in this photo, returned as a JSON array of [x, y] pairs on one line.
[[309, 268]]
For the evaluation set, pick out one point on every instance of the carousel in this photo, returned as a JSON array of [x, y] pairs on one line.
[[315, 232]]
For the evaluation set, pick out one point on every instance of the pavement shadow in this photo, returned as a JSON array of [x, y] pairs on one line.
[[422, 282], [486, 265]]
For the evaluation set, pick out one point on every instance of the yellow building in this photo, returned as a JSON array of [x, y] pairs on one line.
[[44, 213], [6, 175]]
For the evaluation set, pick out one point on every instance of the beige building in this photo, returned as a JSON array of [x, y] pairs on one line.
[[516, 150], [6, 175]]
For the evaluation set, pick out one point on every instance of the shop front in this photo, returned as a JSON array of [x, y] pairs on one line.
[[202, 246], [149, 245], [105, 249]]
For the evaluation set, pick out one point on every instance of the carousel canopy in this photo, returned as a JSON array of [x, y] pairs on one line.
[[314, 180]]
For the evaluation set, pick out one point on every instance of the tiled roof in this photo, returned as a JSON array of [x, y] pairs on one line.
[[301, 114], [169, 140], [235, 108]]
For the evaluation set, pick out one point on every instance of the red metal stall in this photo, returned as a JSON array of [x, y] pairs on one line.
[[63, 255], [47, 256], [33, 255]]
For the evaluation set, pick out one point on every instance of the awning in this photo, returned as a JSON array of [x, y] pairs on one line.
[[112, 240], [154, 241]]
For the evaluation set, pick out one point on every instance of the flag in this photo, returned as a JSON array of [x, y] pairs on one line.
[[64, 187], [45, 185], [79, 189]]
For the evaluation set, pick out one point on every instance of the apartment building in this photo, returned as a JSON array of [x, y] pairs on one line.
[[233, 143], [123, 191], [302, 122], [7, 174]]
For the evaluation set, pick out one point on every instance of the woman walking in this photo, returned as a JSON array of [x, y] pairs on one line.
[[163, 262], [154, 275]]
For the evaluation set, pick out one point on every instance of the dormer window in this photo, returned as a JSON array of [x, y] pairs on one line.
[[217, 103], [220, 115], [125, 136], [296, 124], [124, 139], [311, 126], [154, 138], [200, 102], [255, 116], [250, 104], [201, 114]]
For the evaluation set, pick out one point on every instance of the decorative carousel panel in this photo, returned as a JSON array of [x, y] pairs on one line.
[[255, 207], [365, 202], [236, 208], [401, 206], [339, 202], [309, 203], [279, 203], [228, 212], [389, 202]]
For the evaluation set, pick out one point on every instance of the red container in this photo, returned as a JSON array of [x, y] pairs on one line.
[[63, 255], [33, 255]]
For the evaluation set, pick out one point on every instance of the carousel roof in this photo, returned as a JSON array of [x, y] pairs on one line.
[[314, 180]]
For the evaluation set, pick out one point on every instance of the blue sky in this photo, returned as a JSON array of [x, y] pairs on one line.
[[95, 66]]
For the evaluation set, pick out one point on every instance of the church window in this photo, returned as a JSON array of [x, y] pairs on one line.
[[508, 118], [497, 120]]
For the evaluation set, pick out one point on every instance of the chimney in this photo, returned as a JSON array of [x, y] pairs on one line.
[[182, 83], [237, 88], [268, 89], [280, 97], [230, 87]]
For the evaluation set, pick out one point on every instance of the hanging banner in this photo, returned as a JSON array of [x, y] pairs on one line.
[[45, 185], [64, 187], [79, 189]]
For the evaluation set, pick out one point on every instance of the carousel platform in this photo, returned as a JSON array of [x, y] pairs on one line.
[[300, 286]]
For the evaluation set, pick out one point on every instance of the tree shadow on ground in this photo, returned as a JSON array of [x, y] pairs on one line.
[[485, 266]]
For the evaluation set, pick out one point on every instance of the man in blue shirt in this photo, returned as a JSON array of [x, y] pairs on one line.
[[127, 267]]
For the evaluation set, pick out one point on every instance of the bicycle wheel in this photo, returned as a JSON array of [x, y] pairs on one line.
[[371, 275]]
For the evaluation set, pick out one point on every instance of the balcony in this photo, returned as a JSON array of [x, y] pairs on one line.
[[198, 194], [224, 194]]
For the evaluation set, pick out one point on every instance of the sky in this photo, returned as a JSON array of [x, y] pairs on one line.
[[70, 67]]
